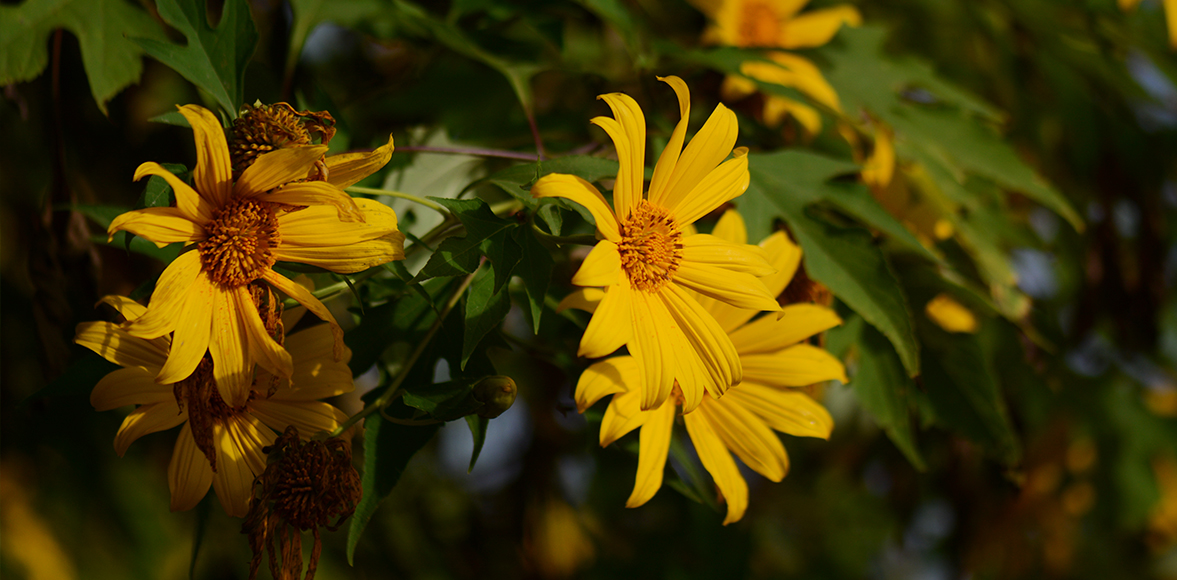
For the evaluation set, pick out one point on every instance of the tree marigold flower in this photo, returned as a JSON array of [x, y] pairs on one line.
[[775, 359], [646, 265], [221, 443], [239, 230]]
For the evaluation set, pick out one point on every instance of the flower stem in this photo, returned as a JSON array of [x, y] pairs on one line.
[[425, 202], [393, 390], [582, 239], [474, 151]]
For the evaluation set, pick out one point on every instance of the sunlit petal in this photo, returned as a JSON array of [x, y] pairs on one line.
[[586, 299], [193, 331], [628, 131], [748, 437], [311, 417], [786, 410], [731, 228], [147, 419], [721, 185], [611, 326], [667, 162], [576, 189], [347, 259], [654, 446], [213, 174], [319, 225], [736, 288], [312, 193], [719, 463], [347, 169], [229, 347], [796, 322], [651, 326], [706, 338], [129, 386], [817, 27], [624, 414], [118, 346], [735, 257], [796, 366], [601, 267], [608, 377], [168, 299], [304, 297], [263, 348], [159, 225], [711, 145], [190, 204], [278, 167]]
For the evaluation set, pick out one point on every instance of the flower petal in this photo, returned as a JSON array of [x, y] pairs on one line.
[[795, 323], [239, 444], [118, 346], [193, 331], [160, 225], [169, 299], [575, 189], [796, 366], [711, 145], [147, 419], [716, 251], [319, 225], [748, 437], [628, 131], [611, 326], [189, 473], [719, 463], [278, 167], [817, 27], [654, 446], [624, 414], [950, 315], [347, 259], [229, 347], [601, 267], [312, 193], [129, 386], [190, 204], [786, 410], [263, 349], [213, 174], [304, 297], [664, 169], [785, 256], [311, 417], [731, 228], [706, 338], [608, 377], [586, 299], [652, 347], [125, 306], [347, 169], [777, 109], [724, 183], [736, 288], [317, 375]]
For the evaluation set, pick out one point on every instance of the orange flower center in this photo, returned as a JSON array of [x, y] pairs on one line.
[[240, 243], [651, 247], [758, 25]]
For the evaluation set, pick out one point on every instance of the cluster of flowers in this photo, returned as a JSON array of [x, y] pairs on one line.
[[211, 350]]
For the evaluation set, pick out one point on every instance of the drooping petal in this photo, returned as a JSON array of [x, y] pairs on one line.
[[213, 173], [304, 297], [879, 167], [189, 473], [736, 288], [715, 251], [706, 338], [317, 375], [628, 131], [651, 346], [785, 410], [796, 322], [726, 182], [278, 167], [129, 386], [193, 331], [817, 27], [667, 162], [168, 299], [229, 347], [313, 193], [719, 463], [125, 306], [347, 169], [731, 228], [160, 225], [601, 267], [785, 256], [147, 419], [796, 366], [310, 417], [190, 204], [653, 447], [608, 377], [118, 346], [586, 299], [711, 145], [624, 414], [748, 437], [263, 348], [611, 326], [239, 442], [347, 259], [319, 226], [575, 189]]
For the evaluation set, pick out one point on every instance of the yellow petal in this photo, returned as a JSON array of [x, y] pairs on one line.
[[118, 346], [719, 463], [664, 169], [785, 256], [278, 167], [748, 437], [880, 166], [796, 322], [168, 300], [711, 145], [608, 377], [213, 174], [311, 417], [817, 27], [160, 225], [726, 182], [795, 71], [586, 299], [575, 189], [706, 338], [347, 259], [654, 446], [736, 87], [796, 366], [776, 109], [786, 410], [229, 347], [319, 225], [601, 267], [262, 347], [950, 315], [147, 419], [731, 228], [651, 347], [193, 332], [304, 297], [189, 473], [611, 326], [240, 459], [715, 251], [313, 193], [317, 375], [129, 386], [736, 288], [125, 306], [347, 169], [624, 414], [190, 204], [628, 132]]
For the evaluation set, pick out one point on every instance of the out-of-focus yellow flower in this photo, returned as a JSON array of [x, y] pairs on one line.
[[556, 539], [950, 315], [776, 360], [1170, 16], [29, 544], [649, 268]]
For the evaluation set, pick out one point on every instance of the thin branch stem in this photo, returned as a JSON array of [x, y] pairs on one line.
[[581, 239], [474, 151], [398, 194]]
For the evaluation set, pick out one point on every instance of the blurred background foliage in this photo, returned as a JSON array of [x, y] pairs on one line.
[[987, 198]]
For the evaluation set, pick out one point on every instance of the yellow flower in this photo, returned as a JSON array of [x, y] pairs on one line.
[[220, 444], [775, 359], [240, 230], [950, 315], [648, 267]]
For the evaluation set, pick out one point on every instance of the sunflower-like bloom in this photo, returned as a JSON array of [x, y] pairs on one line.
[[240, 229], [646, 265], [220, 444], [775, 359]]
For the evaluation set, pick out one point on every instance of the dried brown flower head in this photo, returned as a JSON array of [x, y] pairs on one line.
[[263, 128]]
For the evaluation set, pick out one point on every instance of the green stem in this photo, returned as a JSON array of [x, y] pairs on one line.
[[581, 239], [425, 202], [393, 390]]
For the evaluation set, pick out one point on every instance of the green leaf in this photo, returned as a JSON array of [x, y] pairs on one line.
[[486, 234], [388, 447], [384, 324], [310, 13], [214, 58], [101, 26], [844, 259], [478, 425], [158, 193], [444, 401], [485, 309], [535, 269], [513, 179]]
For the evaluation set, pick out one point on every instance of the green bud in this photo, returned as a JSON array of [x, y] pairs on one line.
[[496, 394]]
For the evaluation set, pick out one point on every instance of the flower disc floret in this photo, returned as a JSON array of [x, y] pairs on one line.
[[240, 243], [651, 247]]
